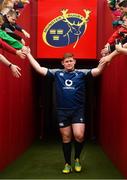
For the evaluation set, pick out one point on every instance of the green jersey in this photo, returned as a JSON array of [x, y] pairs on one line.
[[11, 41]]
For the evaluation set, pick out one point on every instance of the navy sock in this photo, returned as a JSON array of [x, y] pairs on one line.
[[67, 152], [78, 149]]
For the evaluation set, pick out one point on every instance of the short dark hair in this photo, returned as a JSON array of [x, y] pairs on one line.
[[12, 12], [123, 3], [68, 55]]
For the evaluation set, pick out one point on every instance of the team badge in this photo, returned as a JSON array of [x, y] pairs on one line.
[[65, 29]]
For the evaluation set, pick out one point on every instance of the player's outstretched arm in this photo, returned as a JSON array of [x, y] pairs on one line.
[[99, 69], [109, 57], [104, 61], [36, 65]]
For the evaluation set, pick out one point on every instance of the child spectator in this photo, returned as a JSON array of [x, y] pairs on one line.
[[11, 41], [10, 25], [120, 35]]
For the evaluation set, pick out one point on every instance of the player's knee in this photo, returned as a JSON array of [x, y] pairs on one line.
[[66, 138], [79, 137]]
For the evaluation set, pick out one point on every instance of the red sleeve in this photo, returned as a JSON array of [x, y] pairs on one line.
[[7, 47], [114, 36]]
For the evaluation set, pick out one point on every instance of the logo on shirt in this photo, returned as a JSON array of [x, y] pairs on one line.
[[61, 74], [66, 29], [68, 82]]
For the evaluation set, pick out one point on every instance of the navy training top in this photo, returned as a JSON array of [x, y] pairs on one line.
[[70, 87]]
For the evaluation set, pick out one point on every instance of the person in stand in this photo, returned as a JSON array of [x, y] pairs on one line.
[[10, 26]]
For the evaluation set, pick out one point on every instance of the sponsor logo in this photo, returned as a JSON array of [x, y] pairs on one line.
[[68, 82]]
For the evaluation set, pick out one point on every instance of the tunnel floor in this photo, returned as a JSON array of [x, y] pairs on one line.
[[44, 160]]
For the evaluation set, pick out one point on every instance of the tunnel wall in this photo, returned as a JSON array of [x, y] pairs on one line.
[[112, 124], [17, 117]]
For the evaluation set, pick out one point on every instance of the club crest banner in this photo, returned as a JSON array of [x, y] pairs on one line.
[[66, 26]]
